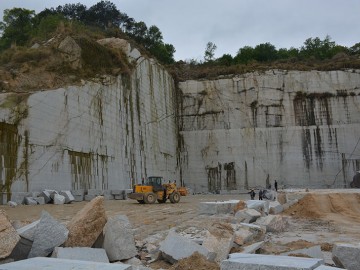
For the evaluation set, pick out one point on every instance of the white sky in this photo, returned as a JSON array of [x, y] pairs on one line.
[[232, 24]]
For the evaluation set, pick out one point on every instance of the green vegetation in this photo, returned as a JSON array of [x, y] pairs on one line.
[[22, 27]]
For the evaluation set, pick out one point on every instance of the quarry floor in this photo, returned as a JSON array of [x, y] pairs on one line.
[[323, 217]]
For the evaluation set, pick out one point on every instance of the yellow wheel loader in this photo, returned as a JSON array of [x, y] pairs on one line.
[[154, 189]]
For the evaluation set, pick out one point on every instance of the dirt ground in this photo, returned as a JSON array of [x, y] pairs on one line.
[[322, 217]]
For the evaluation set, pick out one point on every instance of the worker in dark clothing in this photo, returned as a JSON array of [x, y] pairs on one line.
[[260, 194], [252, 194], [275, 184]]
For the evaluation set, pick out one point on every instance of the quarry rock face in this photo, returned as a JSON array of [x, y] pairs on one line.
[[248, 130], [86, 226], [231, 133]]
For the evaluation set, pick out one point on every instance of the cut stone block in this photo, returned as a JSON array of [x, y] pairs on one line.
[[89, 197], [247, 215], [272, 223], [176, 247], [28, 231], [12, 204], [86, 226], [30, 201], [119, 241], [214, 208], [49, 233], [79, 198], [59, 199], [257, 231], [253, 248], [313, 252], [219, 239], [47, 195], [276, 208], [61, 264], [95, 192], [40, 200], [346, 256], [69, 198], [81, 253], [239, 261], [18, 197], [117, 192], [8, 236], [258, 205], [78, 192]]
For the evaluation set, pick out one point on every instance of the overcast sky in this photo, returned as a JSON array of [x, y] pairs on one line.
[[232, 24]]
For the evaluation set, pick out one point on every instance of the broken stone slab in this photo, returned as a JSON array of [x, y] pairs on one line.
[[250, 249], [49, 233], [214, 208], [81, 253], [28, 231], [69, 198], [8, 236], [242, 236], [312, 252], [257, 231], [119, 241], [275, 208], [240, 261], [40, 200], [258, 205], [30, 201], [86, 226], [58, 199], [219, 239], [247, 215], [176, 247], [346, 256], [41, 263], [272, 223]]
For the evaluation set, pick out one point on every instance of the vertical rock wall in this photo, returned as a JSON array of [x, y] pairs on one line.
[[105, 134], [300, 128]]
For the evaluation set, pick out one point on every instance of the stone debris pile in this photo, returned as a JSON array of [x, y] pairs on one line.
[[91, 238], [48, 196]]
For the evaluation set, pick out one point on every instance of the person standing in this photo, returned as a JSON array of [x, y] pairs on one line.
[[260, 194], [252, 194], [276, 185]]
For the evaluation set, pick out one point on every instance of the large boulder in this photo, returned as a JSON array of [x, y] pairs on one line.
[[273, 223], [247, 215], [259, 205], [219, 240], [176, 247], [86, 226], [71, 52], [346, 256], [119, 241], [8, 235], [49, 233]]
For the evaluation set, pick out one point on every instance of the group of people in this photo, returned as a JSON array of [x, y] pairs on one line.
[[261, 192]]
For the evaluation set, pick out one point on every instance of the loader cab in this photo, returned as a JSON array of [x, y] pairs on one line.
[[155, 181]]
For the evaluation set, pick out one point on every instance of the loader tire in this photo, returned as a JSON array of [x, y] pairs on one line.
[[175, 197], [150, 198], [141, 201]]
